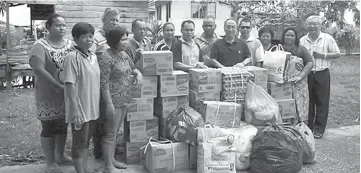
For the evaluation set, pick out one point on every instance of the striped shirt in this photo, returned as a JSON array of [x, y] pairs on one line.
[[323, 44], [132, 47], [100, 42], [205, 45], [161, 46]]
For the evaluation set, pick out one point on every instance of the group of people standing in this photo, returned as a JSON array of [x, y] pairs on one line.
[[86, 82]]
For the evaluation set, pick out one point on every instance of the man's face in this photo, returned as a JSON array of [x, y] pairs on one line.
[[140, 30], [111, 21], [313, 26], [168, 31], [209, 26], [230, 28], [245, 28], [188, 31]]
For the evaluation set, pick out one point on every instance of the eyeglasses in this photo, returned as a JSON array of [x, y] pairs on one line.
[[245, 27]]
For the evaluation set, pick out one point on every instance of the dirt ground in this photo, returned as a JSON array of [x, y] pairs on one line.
[[20, 129]]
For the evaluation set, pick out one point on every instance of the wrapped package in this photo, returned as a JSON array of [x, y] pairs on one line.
[[275, 62], [277, 149], [309, 143], [261, 108], [216, 151], [222, 114], [234, 84], [182, 123]]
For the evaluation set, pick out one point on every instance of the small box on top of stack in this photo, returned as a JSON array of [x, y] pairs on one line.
[[140, 124]]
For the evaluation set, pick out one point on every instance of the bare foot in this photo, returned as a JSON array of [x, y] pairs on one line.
[[119, 165], [64, 160], [110, 170]]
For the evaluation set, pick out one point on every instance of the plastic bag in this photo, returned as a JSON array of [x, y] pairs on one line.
[[277, 150], [216, 151], [309, 145], [261, 108], [182, 123], [275, 62], [243, 143]]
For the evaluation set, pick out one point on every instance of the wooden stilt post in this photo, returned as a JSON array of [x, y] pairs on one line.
[[8, 43]]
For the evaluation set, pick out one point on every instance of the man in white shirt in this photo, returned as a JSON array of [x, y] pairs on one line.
[[323, 48]]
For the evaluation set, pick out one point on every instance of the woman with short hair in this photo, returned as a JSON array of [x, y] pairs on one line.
[[266, 35], [46, 60], [116, 78]]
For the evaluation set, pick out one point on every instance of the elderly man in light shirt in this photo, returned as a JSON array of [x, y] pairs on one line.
[[323, 48], [254, 45]]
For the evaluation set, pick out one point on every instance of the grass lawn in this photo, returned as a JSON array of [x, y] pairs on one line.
[[20, 129]]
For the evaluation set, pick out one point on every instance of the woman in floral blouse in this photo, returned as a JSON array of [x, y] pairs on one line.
[[116, 69]]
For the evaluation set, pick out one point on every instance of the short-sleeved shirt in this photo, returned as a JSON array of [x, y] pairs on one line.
[[230, 54], [49, 102], [82, 70], [189, 53], [116, 69], [206, 47], [323, 44], [161, 45], [100, 42], [302, 52], [255, 46], [132, 47]]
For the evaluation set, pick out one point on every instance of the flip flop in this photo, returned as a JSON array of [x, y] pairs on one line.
[[119, 165], [318, 135]]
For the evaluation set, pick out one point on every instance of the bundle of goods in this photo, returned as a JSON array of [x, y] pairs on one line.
[[234, 84], [182, 124], [275, 62], [222, 114], [166, 156], [277, 149], [309, 146], [216, 151], [261, 108]]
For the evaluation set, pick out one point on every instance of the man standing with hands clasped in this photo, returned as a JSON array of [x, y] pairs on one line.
[[323, 48]]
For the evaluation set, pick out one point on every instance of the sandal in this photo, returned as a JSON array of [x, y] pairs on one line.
[[119, 165], [318, 135]]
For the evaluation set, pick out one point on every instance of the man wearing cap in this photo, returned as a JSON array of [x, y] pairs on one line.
[[324, 48]]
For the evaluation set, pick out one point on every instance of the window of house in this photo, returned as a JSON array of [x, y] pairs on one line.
[[168, 11], [159, 12], [201, 10]]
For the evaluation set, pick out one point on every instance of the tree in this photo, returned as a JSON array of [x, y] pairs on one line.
[[2, 8]]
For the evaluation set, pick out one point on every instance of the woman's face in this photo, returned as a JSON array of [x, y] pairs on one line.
[[85, 41], [123, 42], [58, 27], [290, 37], [168, 31], [265, 38]]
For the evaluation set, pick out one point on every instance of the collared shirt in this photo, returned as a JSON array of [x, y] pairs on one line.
[[256, 49], [100, 42], [83, 71], [206, 46], [161, 46], [190, 53], [323, 44], [230, 54], [132, 47]]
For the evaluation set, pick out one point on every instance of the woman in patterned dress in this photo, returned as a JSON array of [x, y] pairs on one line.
[[46, 60], [116, 69]]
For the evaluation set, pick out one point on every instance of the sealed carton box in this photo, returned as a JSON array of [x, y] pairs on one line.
[[147, 90], [176, 84], [260, 75], [287, 108], [205, 80], [280, 91], [141, 131], [154, 63], [195, 98], [222, 114], [159, 157], [140, 109], [134, 153]]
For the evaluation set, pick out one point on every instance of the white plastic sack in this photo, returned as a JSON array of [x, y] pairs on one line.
[[243, 143], [309, 147], [275, 62]]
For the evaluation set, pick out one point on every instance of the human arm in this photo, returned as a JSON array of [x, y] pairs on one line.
[[308, 64], [247, 55], [333, 51], [37, 63], [138, 75], [212, 61], [105, 66]]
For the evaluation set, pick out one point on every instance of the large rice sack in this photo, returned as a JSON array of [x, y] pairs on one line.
[[216, 151], [309, 145], [182, 123]]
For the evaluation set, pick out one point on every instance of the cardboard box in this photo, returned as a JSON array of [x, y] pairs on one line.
[[287, 108], [260, 75], [140, 109], [222, 114], [196, 98], [176, 84], [159, 157], [147, 90], [280, 91], [205, 80], [193, 153], [141, 131], [163, 106], [134, 153], [154, 63]]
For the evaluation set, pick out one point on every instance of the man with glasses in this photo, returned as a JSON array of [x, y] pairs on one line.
[[229, 51], [323, 48], [208, 37], [254, 45]]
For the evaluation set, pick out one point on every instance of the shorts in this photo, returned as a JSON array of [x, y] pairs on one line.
[[52, 128], [81, 138]]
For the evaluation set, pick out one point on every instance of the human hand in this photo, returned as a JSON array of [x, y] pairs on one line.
[[296, 79], [77, 118], [199, 65], [138, 79], [239, 65], [138, 52], [318, 55], [110, 111]]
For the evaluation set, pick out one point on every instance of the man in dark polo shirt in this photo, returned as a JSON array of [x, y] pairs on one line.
[[229, 51]]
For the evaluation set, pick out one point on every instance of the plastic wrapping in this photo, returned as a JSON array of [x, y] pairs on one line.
[[182, 123], [309, 145], [261, 108], [234, 83], [277, 150], [275, 62]]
